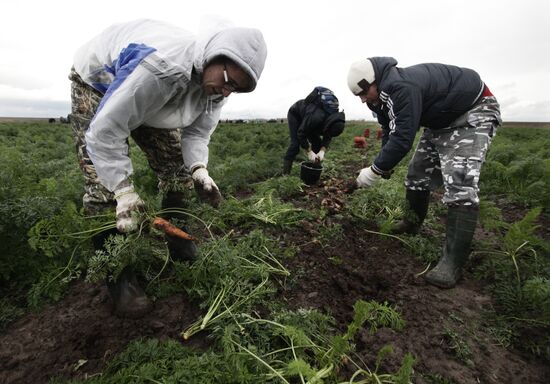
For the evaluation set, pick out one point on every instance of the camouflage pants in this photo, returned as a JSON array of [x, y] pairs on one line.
[[161, 147], [453, 156]]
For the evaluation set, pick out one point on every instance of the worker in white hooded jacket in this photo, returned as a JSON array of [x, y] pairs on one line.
[[165, 87]]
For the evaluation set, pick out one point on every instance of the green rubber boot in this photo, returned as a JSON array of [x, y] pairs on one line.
[[180, 250], [461, 225], [287, 166], [415, 213]]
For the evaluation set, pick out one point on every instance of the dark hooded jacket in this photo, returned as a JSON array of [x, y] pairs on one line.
[[428, 95], [310, 121]]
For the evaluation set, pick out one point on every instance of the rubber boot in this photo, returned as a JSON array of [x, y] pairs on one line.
[[129, 300], [287, 166], [415, 213], [180, 250], [461, 225]]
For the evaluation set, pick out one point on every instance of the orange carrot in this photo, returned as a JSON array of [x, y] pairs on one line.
[[171, 230]]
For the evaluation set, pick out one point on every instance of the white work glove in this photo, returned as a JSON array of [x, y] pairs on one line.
[[367, 178], [321, 155], [206, 188], [128, 208], [311, 156]]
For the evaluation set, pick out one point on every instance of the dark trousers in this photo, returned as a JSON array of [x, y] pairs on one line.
[[294, 147]]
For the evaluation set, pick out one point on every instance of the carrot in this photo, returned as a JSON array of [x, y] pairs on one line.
[[171, 230]]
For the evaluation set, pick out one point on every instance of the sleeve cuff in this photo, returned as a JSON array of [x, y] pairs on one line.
[[379, 172], [126, 183], [196, 166]]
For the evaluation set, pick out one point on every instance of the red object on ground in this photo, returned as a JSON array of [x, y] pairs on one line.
[[367, 132], [359, 142], [379, 134]]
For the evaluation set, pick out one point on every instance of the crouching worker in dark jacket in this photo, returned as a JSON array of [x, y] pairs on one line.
[[312, 123], [460, 116]]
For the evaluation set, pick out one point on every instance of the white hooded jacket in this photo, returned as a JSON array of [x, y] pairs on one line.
[[150, 74]]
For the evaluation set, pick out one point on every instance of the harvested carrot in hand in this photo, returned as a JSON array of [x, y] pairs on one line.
[[171, 230]]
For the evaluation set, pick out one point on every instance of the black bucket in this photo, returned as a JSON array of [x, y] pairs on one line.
[[310, 172]]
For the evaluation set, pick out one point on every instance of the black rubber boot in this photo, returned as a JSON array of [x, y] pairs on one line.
[[287, 166], [129, 300], [180, 250], [461, 225], [415, 212]]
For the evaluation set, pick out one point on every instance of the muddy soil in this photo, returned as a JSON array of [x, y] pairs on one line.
[[81, 327], [438, 322], [445, 329]]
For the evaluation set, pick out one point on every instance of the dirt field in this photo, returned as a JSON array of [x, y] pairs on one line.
[[81, 327]]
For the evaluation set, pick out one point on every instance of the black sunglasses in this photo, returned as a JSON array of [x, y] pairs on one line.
[[231, 85]]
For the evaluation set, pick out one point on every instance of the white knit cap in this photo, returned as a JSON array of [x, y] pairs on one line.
[[360, 72]]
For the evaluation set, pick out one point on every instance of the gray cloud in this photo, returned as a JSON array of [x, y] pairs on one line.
[[505, 42], [23, 81], [521, 111], [33, 108]]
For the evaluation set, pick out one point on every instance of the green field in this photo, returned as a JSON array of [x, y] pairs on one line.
[[280, 291]]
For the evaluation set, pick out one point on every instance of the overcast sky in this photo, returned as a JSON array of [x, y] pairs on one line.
[[309, 43]]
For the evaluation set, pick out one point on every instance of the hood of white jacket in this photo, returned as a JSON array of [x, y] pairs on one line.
[[245, 46]]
